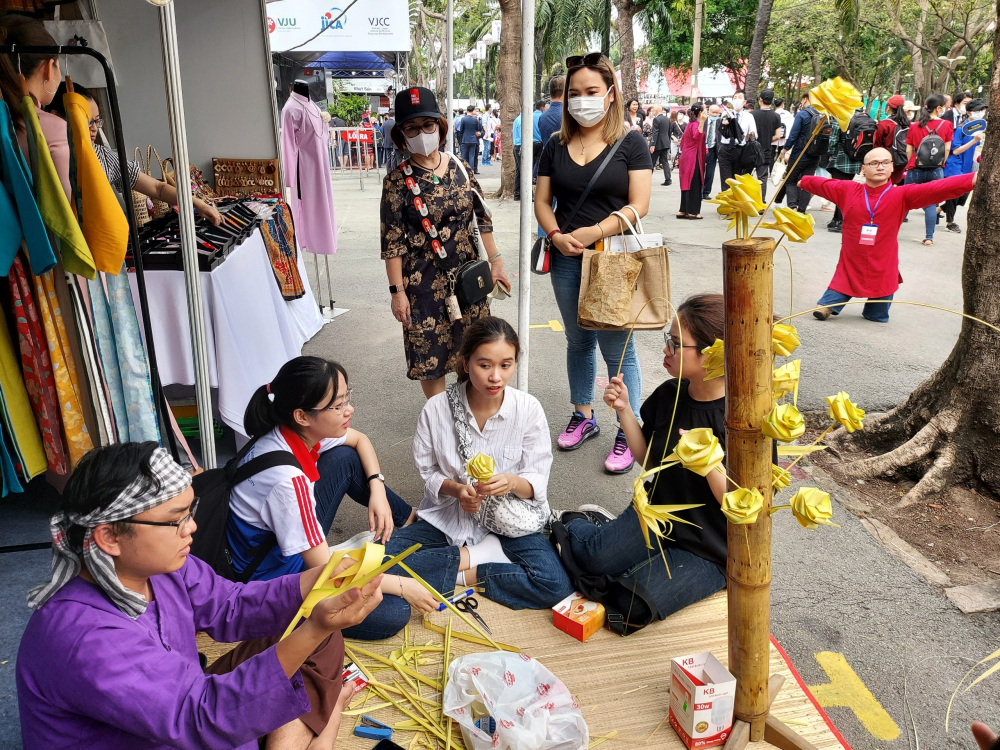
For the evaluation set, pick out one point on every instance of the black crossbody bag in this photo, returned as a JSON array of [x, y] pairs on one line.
[[542, 249]]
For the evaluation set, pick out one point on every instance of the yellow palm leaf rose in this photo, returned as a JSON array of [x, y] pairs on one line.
[[837, 98], [780, 478], [795, 226], [698, 450], [784, 339], [741, 202], [481, 467], [785, 379], [742, 506], [812, 507], [715, 360], [843, 410], [784, 422]]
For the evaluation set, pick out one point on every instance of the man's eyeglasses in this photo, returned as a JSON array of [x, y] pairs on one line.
[[97, 122], [339, 408], [411, 130], [882, 163], [673, 346], [178, 524], [583, 61]]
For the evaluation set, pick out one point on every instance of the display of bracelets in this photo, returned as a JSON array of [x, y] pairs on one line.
[[245, 176]]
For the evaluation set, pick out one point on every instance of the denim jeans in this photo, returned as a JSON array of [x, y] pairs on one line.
[[341, 473], [920, 176], [581, 344], [534, 579], [619, 549], [469, 152], [873, 310]]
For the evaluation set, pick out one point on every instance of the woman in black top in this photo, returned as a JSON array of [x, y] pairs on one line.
[[593, 122], [604, 545]]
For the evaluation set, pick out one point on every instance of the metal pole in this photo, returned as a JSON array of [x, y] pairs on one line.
[[449, 54], [527, 204], [185, 211], [696, 53]]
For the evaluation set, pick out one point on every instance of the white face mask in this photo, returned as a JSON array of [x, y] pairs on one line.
[[977, 115], [588, 110], [961, 109], [737, 105], [424, 144]]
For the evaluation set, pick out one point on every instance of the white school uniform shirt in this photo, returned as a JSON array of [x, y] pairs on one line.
[[281, 498], [746, 122], [787, 119], [517, 437]]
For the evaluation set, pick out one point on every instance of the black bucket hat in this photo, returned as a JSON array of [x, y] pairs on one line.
[[416, 102]]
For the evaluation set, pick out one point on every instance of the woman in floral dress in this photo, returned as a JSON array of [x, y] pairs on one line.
[[418, 278]]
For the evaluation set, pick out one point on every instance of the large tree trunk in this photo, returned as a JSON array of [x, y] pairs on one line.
[[623, 25], [509, 91], [757, 51], [606, 29], [947, 431]]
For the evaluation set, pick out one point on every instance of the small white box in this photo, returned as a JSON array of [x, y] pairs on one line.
[[702, 693]]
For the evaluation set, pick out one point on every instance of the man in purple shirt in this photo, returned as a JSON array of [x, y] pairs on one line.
[[109, 658]]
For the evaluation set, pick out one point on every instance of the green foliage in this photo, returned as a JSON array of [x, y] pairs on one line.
[[348, 107], [727, 31]]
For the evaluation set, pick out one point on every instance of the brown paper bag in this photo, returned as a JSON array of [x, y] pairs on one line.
[[653, 282], [608, 299]]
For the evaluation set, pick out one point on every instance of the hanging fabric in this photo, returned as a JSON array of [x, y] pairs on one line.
[[78, 438], [306, 157], [51, 198], [101, 217], [90, 367], [37, 368], [7, 469], [104, 338], [17, 181], [279, 239], [11, 235]]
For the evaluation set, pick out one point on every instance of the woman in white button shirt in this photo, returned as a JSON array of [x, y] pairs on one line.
[[458, 550]]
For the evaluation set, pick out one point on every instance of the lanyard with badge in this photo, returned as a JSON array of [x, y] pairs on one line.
[[869, 231]]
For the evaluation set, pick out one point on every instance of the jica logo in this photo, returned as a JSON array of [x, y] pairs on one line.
[[280, 23], [327, 20]]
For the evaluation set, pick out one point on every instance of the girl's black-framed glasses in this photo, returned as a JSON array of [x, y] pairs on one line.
[[673, 346]]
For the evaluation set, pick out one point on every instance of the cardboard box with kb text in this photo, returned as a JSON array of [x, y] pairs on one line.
[[702, 693]]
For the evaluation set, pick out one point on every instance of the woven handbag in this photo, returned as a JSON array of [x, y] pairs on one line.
[[160, 209], [139, 207]]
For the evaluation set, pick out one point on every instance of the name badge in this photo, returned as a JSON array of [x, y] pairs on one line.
[[868, 232]]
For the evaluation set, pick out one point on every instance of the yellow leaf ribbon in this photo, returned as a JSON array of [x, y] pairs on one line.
[[784, 423], [843, 410], [784, 339], [715, 360], [656, 518], [796, 227], [837, 98], [797, 451], [811, 508], [481, 467], [742, 506], [741, 202], [780, 478], [785, 379]]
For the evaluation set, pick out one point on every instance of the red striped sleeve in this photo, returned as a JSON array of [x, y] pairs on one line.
[[309, 522]]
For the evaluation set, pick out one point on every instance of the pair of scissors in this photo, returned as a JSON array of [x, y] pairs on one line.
[[469, 605]]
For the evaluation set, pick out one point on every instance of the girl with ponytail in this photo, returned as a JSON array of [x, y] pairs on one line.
[[927, 164], [306, 411]]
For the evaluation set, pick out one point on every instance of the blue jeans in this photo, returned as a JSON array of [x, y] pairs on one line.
[[918, 177], [873, 310], [581, 344], [469, 152], [534, 579], [619, 549], [341, 473]]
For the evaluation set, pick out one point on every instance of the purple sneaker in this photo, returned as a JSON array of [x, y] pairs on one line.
[[620, 459], [579, 430]]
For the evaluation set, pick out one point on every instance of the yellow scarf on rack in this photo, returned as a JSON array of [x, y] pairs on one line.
[[18, 417], [101, 216]]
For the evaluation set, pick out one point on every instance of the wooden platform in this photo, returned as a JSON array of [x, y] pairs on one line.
[[621, 683]]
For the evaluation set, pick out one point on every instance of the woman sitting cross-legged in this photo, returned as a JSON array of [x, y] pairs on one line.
[[604, 545], [306, 410], [485, 534]]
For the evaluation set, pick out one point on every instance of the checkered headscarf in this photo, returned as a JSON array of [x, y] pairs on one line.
[[170, 481]]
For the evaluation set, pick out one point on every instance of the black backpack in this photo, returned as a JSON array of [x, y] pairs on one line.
[[860, 136], [729, 127], [930, 152], [821, 143], [752, 156], [214, 488], [898, 150], [630, 607]]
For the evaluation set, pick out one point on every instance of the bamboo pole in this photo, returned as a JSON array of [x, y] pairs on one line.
[[748, 285]]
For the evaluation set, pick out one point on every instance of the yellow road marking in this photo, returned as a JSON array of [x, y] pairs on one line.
[[846, 689], [555, 325]]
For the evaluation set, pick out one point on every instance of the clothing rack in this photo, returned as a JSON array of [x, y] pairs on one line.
[[159, 400]]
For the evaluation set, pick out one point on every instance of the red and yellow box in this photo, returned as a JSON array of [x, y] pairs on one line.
[[578, 616]]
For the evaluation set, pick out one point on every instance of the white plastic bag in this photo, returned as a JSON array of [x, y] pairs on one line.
[[532, 709]]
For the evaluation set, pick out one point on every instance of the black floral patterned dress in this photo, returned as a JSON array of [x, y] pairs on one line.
[[432, 341]]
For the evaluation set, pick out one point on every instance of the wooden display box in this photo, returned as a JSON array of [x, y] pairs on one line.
[[242, 177]]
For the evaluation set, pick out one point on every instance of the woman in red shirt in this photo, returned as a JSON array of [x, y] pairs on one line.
[[895, 127], [932, 167]]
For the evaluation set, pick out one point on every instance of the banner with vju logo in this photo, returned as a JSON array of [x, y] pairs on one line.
[[369, 26]]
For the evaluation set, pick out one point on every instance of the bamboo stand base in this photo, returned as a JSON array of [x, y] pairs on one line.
[[775, 732]]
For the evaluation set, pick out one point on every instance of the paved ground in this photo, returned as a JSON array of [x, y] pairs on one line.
[[835, 591]]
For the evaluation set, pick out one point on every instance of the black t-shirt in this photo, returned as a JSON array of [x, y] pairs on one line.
[[768, 121], [610, 192], [678, 485]]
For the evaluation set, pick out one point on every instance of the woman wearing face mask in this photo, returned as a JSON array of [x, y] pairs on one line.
[[418, 276], [962, 159], [593, 130], [927, 164]]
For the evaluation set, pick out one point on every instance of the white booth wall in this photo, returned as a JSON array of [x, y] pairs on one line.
[[225, 73]]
